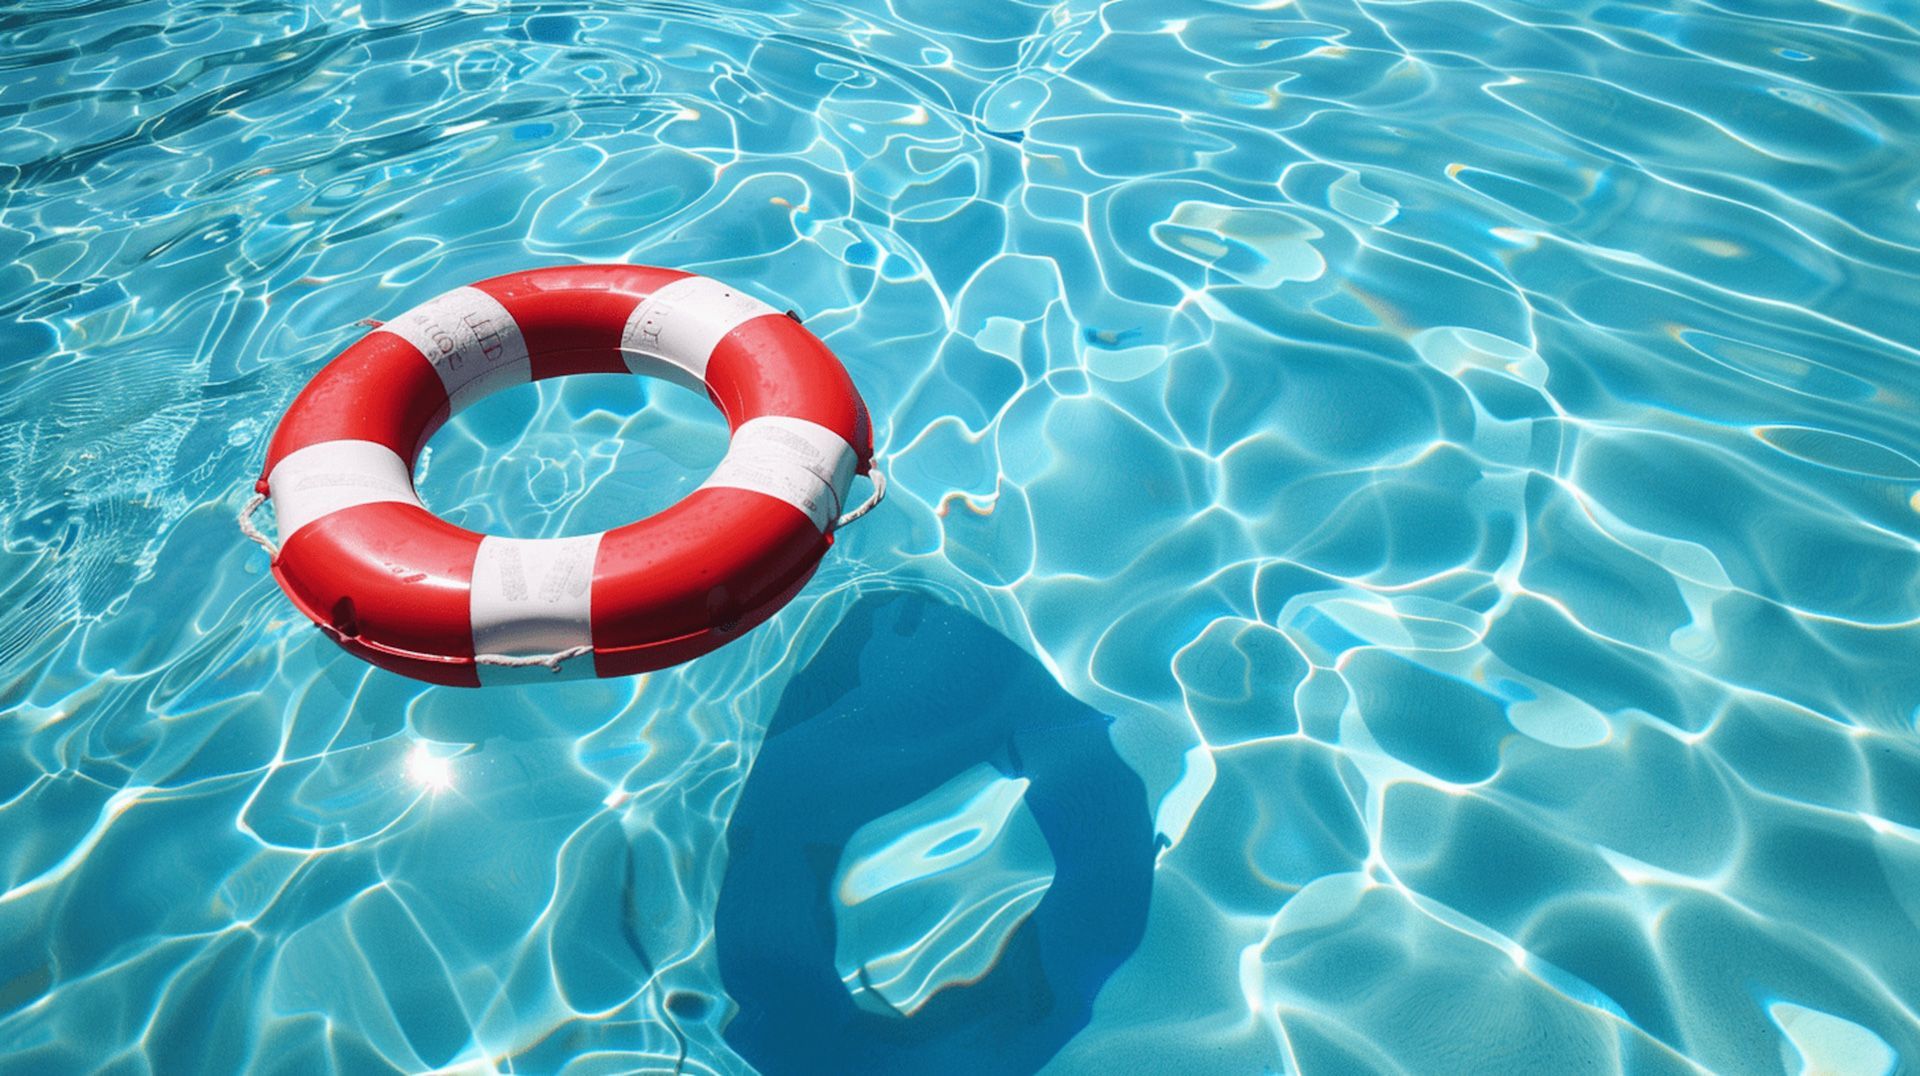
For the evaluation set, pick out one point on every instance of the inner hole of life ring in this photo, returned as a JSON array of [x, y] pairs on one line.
[[570, 455]]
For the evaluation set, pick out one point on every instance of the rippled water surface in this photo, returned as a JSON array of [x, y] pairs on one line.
[[1402, 552]]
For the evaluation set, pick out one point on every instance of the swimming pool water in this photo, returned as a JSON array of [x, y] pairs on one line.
[[1402, 554]]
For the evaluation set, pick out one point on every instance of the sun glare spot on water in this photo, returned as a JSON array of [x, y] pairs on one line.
[[433, 773]]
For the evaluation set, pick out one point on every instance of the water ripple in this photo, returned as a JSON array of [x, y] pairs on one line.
[[1470, 447]]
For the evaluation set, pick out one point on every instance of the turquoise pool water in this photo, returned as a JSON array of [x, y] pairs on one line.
[[1402, 552]]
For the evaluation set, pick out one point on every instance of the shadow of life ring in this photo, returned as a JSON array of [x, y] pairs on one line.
[[905, 695]]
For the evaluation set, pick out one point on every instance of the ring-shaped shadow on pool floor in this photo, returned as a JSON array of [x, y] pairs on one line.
[[906, 695]]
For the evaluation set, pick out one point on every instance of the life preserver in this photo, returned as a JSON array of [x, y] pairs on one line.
[[406, 590]]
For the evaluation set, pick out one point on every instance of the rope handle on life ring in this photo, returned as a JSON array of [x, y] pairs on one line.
[[879, 494], [252, 532]]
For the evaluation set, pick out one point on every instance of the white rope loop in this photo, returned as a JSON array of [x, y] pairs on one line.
[[247, 528], [873, 500], [551, 661]]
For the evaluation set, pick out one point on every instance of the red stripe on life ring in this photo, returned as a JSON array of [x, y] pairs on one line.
[[697, 575], [774, 366], [379, 389], [390, 581], [571, 316]]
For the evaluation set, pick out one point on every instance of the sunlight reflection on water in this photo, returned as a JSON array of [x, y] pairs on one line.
[[1469, 450]]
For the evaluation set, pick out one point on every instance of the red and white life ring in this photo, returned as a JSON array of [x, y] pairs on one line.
[[404, 589]]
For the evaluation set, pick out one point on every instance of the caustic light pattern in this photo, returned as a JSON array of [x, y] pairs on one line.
[[1440, 481]]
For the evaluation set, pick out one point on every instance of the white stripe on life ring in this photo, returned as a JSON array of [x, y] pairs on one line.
[[472, 341], [322, 479], [673, 332], [802, 463], [533, 596]]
